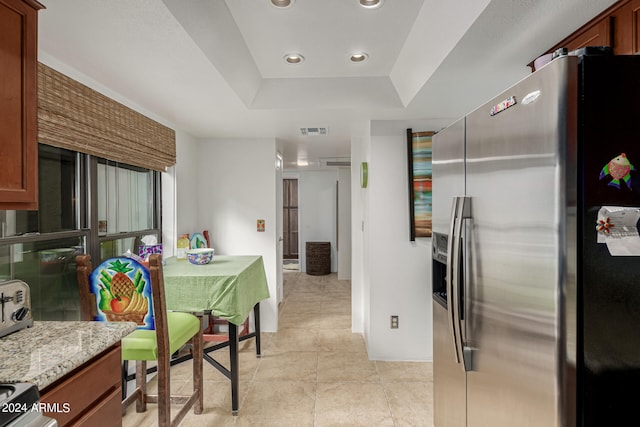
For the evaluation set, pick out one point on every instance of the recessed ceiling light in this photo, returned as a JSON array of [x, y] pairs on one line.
[[293, 58], [358, 57], [371, 4], [283, 4]]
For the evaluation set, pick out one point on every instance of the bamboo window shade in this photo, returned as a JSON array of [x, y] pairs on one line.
[[76, 117]]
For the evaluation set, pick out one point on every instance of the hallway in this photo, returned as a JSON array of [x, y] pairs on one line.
[[313, 372]]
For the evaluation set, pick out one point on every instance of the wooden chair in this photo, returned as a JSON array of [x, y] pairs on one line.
[[214, 332], [159, 334]]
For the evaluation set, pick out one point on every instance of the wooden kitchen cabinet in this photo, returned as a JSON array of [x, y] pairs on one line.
[[18, 104], [617, 27], [90, 396], [596, 34], [626, 32]]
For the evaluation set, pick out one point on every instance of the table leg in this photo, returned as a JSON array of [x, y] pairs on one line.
[[233, 343], [256, 320], [233, 356]]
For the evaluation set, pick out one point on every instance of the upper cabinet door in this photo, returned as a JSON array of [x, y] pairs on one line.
[[18, 105], [599, 34], [617, 27], [625, 28]]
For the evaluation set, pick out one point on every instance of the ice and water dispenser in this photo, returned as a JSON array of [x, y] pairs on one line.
[[439, 271]]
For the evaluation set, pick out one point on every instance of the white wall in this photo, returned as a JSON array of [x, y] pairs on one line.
[[169, 211], [187, 195], [236, 186], [182, 192], [344, 224], [360, 142], [400, 269], [396, 273], [179, 188]]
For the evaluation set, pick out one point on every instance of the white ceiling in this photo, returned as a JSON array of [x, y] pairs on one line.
[[215, 68]]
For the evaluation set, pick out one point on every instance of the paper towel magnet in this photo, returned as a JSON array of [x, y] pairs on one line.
[[623, 239], [619, 168]]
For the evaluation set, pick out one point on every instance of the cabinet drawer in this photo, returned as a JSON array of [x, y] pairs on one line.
[[80, 390], [107, 413]]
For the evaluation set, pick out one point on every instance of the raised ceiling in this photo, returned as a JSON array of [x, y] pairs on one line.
[[215, 68]]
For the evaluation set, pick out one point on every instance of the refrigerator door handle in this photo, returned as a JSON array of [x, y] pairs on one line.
[[449, 277], [467, 286], [463, 212]]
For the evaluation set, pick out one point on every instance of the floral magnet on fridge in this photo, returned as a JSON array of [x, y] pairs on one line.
[[619, 168]]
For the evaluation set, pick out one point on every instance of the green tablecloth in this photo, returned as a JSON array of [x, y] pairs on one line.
[[229, 286]]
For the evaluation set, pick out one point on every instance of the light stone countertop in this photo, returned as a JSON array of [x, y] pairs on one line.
[[49, 350]]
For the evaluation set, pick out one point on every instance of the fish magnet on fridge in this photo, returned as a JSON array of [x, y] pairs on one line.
[[619, 168]]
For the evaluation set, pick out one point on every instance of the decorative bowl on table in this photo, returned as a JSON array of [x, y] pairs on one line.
[[200, 256], [56, 255], [55, 260]]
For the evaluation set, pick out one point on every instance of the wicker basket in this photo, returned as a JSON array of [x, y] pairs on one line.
[[133, 316], [318, 258]]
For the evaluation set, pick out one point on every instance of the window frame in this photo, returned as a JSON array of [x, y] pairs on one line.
[[87, 214], [95, 239]]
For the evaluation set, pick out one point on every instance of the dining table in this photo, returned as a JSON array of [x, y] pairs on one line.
[[229, 287]]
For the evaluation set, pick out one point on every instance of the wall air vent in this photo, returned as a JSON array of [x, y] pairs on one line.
[[318, 131]]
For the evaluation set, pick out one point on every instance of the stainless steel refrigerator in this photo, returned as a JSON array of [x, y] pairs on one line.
[[536, 255]]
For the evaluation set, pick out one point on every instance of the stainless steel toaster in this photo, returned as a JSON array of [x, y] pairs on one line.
[[15, 307]]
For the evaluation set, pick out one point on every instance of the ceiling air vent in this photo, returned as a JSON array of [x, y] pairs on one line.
[[333, 163], [314, 131], [336, 161]]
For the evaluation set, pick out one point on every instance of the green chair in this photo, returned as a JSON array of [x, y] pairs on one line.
[[122, 289]]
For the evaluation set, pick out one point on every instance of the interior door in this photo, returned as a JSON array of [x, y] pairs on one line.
[[290, 218]]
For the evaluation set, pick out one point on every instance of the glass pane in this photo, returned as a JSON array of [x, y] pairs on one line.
[[5, 266], [114, 248], [125, 198], [57, 198], [124, 221], [49, 269], [103, 197], [118, 247]]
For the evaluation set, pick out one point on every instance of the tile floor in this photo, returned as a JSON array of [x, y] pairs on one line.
[[313, 372]]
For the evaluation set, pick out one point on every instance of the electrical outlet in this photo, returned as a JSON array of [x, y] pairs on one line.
[[394, 322]]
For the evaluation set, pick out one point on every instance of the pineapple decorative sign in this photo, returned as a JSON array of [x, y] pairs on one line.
[[122, 294]]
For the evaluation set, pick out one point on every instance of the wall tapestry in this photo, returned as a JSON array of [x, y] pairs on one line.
[[419, 158]]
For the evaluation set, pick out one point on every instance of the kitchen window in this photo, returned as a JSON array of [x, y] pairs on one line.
[[127, 206], [125, 198], [58, 178], [86, 205]]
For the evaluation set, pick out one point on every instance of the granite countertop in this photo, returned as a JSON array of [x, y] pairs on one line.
[[48, 351]]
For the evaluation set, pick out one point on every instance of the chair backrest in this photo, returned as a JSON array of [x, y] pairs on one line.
[[122, 289]]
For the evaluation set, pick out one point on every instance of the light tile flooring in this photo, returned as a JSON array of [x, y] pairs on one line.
[[313, 372]]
